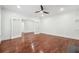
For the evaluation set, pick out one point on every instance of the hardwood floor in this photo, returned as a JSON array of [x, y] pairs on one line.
[[37, 43]]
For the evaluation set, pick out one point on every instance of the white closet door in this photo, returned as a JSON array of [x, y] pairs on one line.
[[0, 23], [16, 29], [36, 28]]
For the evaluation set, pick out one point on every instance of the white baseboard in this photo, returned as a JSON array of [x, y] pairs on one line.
[[15, 36], [36, 32], [65, 36]]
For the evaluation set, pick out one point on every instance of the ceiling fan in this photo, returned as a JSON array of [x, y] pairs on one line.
[[42, 10]]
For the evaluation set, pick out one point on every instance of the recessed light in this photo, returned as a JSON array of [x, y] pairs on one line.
[[61, 9], [18, 6]]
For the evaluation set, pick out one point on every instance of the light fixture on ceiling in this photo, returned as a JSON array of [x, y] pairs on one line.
[[42, 13], [18, 6], [61, 9]]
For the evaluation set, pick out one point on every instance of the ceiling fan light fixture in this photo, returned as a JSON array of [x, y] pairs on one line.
[[42, 14], [41, 11]]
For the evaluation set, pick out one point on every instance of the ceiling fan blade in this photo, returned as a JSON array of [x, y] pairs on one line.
[[41, 7], [37, 11], [42, 10], [45, 12]]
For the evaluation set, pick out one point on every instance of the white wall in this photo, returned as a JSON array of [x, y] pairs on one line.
[[28, 26], [65, 25], [8, 29], [0, 22], [12, 25]]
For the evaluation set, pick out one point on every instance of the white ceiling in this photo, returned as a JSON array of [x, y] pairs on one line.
[[28, 10]]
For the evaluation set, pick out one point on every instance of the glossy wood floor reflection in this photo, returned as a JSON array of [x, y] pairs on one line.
[[40, 43]]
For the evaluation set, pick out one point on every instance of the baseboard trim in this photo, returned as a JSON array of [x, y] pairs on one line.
[[64, 36], [15, 36]]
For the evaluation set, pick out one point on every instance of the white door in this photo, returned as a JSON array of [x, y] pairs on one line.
[[16, 28]]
